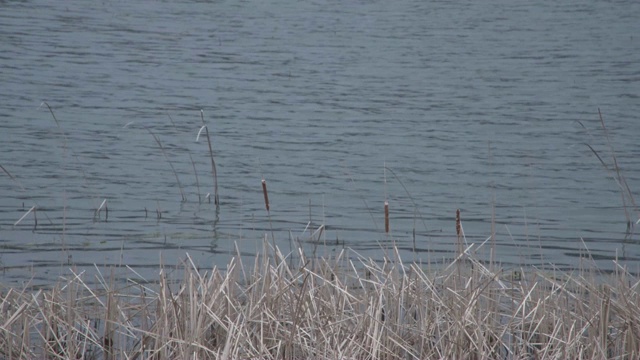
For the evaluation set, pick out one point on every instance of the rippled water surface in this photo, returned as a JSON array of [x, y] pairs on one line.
[[486, 106]]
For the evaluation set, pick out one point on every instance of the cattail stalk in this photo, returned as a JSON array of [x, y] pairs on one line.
[[459, 231], [266, 194], [386, 216]]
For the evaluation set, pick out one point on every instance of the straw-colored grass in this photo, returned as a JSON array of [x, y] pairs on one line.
[[343, 307]]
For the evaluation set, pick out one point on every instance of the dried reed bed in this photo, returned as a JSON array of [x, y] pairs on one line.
[[342, 307]]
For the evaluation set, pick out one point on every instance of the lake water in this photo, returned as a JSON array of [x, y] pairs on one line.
[[483, 106]]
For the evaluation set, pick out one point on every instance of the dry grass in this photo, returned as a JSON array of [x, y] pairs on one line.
[[344, 307]]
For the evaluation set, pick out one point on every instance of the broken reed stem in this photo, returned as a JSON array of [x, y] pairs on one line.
[[104, 205], [214, 172], [35, 218], [386, 216], [170, 163]]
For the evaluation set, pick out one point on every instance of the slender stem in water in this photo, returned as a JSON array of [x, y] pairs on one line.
[[170, 163], [197, 180], [214, 172]]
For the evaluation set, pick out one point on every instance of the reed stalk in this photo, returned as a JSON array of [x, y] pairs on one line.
[[173, 169], [214, 171], [195, 172], [622, 181], [416, 208], [617, 175], [12, 178]]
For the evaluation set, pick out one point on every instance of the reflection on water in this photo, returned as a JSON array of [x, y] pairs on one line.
[[485, 107]]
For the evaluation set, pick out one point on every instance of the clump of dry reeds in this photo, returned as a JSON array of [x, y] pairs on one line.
[[342, 307]]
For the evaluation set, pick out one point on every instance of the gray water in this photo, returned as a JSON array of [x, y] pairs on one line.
[[484, 106]]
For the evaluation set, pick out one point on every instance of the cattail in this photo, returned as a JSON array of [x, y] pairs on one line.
[[386, 216], [459, 231], [266, 194]]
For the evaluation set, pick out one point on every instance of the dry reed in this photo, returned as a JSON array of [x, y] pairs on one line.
[[33, 210], [173, 169], [341, 307], [617, 175], [214, 171], [265, 193], [105, 206]]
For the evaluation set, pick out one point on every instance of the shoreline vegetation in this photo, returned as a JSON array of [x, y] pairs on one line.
[[337, 307], [342, 306]]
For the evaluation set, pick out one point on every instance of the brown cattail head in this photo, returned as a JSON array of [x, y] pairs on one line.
[[386, 216], [266, 195]]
